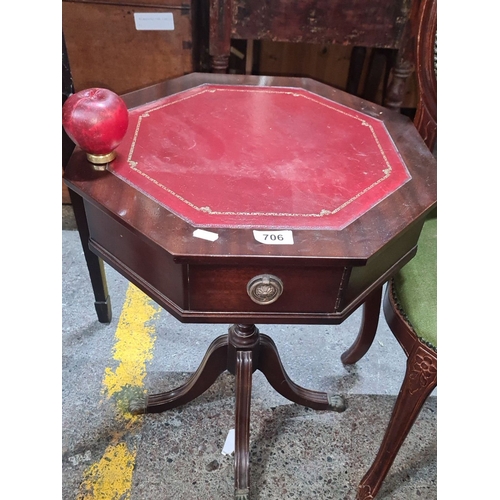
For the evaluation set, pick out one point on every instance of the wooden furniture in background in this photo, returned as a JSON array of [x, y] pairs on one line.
[[106, 50], [356, 23], [333, 64]]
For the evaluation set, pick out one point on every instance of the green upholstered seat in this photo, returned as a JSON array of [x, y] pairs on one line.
[[415, 285]]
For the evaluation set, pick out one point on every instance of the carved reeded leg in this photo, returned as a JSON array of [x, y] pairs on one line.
[[244, 371], [369, 324], [243, 355], [94, 264], [213, 364], [420, 380]]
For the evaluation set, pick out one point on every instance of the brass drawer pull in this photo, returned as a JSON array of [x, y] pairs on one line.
[[265, 289]]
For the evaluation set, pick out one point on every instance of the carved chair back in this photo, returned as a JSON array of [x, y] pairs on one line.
[[426, 70]]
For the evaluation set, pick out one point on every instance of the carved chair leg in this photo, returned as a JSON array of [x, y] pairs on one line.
[[397, 86], [420, 380], [213, 364], [244, 370], [369, 324], [94, 264]]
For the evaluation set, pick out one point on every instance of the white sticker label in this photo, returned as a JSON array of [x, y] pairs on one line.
[[155, 21], [205, 235], [228, 448], [284, 237]]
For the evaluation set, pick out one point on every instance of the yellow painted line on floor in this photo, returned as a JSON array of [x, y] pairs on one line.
[[111, 477], [135, 340]]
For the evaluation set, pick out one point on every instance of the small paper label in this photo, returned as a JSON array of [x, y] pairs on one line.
[[284, 237], [205, 235], [155, 21], [228, 448]]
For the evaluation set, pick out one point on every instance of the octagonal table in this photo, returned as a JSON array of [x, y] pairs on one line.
[[246, 199]]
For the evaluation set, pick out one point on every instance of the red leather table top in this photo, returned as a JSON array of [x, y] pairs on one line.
[[261, 157]]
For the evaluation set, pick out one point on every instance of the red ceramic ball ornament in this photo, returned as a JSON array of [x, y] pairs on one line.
[[96, 120]]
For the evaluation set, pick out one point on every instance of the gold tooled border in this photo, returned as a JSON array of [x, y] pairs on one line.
[[207, 210]]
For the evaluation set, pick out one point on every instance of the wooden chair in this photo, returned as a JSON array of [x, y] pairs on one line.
[[410, 301], [94, 264], [381, 24]]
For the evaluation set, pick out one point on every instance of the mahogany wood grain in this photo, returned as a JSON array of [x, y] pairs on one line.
[[154, 266], [213, 364], [306, 288]]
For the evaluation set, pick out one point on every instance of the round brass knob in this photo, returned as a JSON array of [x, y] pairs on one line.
[[265, 289]]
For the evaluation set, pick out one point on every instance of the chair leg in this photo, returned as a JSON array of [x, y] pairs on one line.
[[420, 380], [94, 264], [369, 324], [397, 86]]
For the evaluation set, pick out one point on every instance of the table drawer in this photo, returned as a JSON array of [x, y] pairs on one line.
[[226, 288]]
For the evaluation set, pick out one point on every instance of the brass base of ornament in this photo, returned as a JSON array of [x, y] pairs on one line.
[[100, 162]]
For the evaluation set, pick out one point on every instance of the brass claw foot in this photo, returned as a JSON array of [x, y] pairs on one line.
[[336, 402], [241, 494], [138, 405]]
